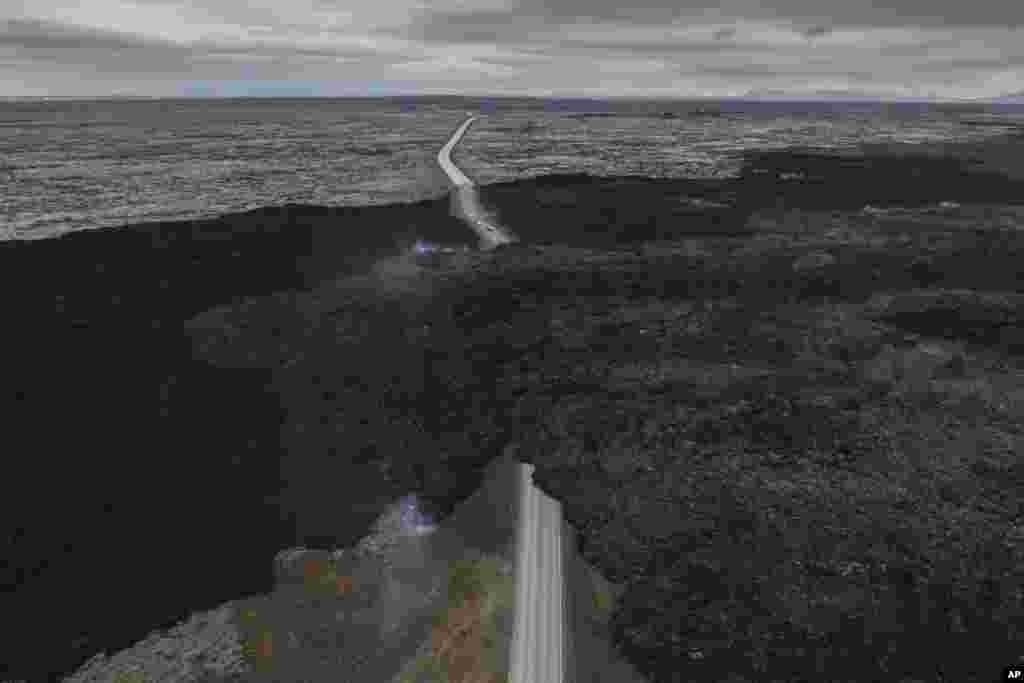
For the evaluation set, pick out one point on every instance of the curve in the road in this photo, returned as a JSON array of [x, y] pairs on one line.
[[469, 203], [444, 157]]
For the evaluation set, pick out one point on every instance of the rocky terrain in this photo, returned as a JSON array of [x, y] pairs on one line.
[[408, 604], [782, 412]]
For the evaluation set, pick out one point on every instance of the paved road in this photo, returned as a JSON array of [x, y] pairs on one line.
[[539, 640], [444, 157], [466, 195]]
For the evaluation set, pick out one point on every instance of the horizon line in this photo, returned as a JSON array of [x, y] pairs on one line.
[[796, 97]]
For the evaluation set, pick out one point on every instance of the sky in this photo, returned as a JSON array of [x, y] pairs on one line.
[[568, 48]]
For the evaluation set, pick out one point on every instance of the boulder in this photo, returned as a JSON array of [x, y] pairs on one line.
[[957, 365], [924, 271], [910, 368], [302, 565], [813, 260], [1011, 337], [205, 647]]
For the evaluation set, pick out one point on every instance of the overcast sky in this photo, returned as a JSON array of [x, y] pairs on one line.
[[656, 48]]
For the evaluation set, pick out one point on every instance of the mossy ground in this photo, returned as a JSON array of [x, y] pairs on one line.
[[822, 511], [791, 474], [292, 633], [466, 637], [790, 482]]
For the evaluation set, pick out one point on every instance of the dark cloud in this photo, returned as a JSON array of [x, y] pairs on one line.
[[666, 49], [737, 59], [475, 26], [920, 48], [755, 71], [556, 43], [971, 64], [48, 41], [257, 49], [816, 31], [517, 59], [37, 33], [522, 20]]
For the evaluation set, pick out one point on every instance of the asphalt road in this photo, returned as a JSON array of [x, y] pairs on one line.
[[539, 639], [469, 203], [444, 157]]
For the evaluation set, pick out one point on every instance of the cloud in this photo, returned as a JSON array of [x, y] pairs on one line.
[[32, 42], [754, 71], [970, 64], [518, 59], [474, 26], [816, 31], [514, 21], [510, 45], [43, 34]]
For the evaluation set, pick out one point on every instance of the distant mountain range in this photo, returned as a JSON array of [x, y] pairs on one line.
[[837, 96], [1011, 98], [862, 96]]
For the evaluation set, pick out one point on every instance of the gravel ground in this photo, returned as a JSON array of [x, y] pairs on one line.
[[208, 642], [398, 577]]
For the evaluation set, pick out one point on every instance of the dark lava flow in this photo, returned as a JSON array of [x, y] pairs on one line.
[[144, 484]]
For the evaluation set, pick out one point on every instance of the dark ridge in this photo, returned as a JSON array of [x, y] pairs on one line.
[[584, 210], [591, 211], [829, 181], [137, 463]]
